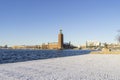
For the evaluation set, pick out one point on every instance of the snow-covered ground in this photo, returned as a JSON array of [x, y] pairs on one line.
[[82, 67]]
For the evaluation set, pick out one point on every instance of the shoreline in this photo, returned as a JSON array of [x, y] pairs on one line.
[[105, 52]]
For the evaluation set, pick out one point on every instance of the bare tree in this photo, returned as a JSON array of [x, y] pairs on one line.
[[105, 45], [118, 36]]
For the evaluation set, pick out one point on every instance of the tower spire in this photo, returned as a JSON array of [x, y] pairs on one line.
[[60, 31]]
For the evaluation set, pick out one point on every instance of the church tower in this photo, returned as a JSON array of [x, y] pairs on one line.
[[60, 40]]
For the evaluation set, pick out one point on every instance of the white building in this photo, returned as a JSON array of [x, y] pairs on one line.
[[93, 43]]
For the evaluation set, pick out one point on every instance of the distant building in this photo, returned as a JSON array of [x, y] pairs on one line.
[[92, 44], [26, 47], [54, 45], [113, 45], [58, 45], [4, 47]]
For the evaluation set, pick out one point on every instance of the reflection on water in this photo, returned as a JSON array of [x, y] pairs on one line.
[[11, 56]]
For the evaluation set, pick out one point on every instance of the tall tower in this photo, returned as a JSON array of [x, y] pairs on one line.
[[60, 40]]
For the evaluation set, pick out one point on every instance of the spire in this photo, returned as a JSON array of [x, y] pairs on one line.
[[60, 31]]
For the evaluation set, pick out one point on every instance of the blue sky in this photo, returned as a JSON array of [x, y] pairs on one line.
[[32, 22]]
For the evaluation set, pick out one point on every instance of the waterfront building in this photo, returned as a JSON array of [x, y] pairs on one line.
[[58, 45], [52, 45], [26, 47], [92, 44], [55, 45]]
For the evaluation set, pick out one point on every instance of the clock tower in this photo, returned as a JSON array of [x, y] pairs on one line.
[[60, 40]]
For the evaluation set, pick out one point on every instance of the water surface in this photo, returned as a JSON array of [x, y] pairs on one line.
[[11, 56]]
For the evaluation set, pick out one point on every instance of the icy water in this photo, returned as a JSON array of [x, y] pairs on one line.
[[11, 56]]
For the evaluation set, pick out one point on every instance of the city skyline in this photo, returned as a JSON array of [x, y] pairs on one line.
[[32, 22]]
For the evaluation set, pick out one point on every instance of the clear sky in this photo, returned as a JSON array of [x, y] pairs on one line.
[[32, 22]]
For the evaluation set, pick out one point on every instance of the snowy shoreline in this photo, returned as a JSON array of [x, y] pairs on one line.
[[102, 52], [82, 67]]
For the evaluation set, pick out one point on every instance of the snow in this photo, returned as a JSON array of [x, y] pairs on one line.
[[82, 67]]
